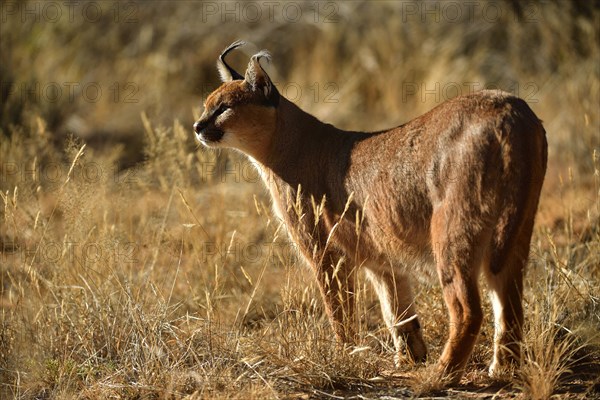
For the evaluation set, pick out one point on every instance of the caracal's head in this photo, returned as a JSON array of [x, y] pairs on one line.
[[242, 112]]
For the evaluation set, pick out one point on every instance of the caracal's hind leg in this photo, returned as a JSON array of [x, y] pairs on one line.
[[504, 276], [398, 310], [459, 248]]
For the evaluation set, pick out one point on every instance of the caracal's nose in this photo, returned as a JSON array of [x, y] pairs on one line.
[[198, 127]]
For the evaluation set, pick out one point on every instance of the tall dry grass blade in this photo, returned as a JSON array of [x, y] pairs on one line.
[[36, 277], [157, 245], [187, 205]]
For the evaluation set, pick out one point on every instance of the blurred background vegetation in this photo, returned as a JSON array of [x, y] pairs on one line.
[[90, 68]]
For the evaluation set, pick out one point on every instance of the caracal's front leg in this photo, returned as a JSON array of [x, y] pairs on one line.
[[336, 281], [398, 310]]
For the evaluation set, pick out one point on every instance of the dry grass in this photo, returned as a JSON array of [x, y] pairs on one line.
[[171, 279]]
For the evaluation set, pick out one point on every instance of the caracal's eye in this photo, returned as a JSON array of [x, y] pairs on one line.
[[222, 108]]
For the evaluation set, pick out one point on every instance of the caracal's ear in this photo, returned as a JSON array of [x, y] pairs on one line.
[[257, 77], [225, 71]]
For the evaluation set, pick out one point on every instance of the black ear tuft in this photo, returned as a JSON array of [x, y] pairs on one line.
[[259, 80], [225, 71]]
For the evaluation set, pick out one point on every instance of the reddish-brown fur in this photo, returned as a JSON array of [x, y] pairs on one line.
[[457, 188]]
